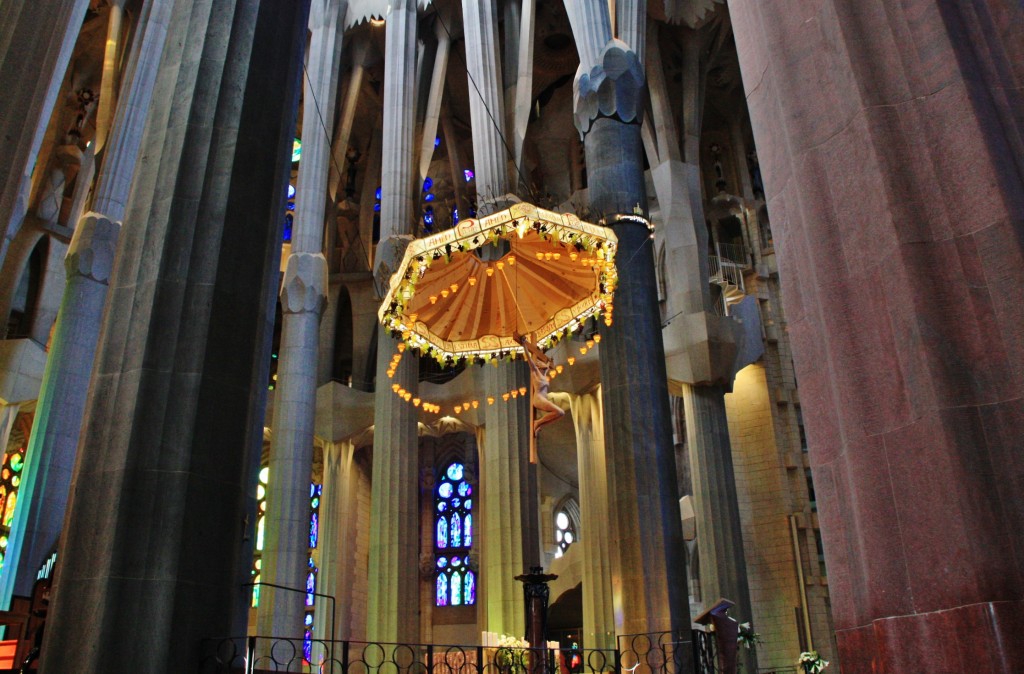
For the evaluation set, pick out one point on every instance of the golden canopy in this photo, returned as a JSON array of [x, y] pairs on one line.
[[447, 301]]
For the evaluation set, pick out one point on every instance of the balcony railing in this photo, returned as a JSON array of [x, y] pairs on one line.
[[640, 654]]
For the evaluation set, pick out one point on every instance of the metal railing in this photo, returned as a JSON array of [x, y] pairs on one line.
[[657, 653]]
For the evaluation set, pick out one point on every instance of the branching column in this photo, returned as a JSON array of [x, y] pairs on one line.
[[156, 543], [648, 558], [393, 606], [511, 539], [50, 455], [303, 296], [41, 33]]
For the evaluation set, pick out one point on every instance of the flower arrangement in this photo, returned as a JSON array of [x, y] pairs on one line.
[[511, 655], [747, 637], [812, 662]]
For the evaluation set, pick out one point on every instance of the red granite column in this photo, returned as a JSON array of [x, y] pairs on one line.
[[890, 137]]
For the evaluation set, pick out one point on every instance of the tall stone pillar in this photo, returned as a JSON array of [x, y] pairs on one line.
[[906, 310], [303, 297], [598, 608], [511, 537], [42, 34], [723, 567], [50, 455], [338, 518], [157, 540], [394, 503], [648, 558]]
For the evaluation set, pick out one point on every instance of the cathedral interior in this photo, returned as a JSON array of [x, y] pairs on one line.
[[231, 444]]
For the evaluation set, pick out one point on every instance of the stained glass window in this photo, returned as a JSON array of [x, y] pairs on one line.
[[10, 478], [565, 527], [456, 583]]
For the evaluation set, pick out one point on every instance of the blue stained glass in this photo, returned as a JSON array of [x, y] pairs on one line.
[[456, 532], [314, 530], [467, 531], [310, 588], [291, 191], [377, 194], [455, 502], [456, 561], [376, 207], [437, 141], [308, 619], [287, 234], [468, 505], [456, 588], [469, 589], [463, 489], [442, 562], [307, 646], [428, 183], [441, 507], [442, 590], [469, 174], [455, 471], [429, 196], [445, 490], [442, 533], [455, 216], [290, 206]]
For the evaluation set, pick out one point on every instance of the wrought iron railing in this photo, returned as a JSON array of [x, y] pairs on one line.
[[655, 653]]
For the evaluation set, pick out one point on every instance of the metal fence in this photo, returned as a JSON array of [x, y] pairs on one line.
[[658, 653]]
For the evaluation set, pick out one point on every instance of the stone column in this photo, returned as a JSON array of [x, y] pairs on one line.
[[511, 533], [906, 311], [158, 535], [108, 85], [598, 608], [53, 442], [394, 586], [723, 567], [42, 34], [303, 296], [337, 532], [648, 558]]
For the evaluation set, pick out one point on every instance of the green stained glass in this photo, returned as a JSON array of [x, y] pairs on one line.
[[17, 463]]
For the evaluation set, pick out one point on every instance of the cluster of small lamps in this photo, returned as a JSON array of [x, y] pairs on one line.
[[513, 394]]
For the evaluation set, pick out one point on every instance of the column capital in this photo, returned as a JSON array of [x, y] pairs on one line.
[[614, 87], [91, 253], [304, 286]]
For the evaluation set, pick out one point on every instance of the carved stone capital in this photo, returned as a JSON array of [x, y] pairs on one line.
[[91, 253], [304, 287], [615, 87]]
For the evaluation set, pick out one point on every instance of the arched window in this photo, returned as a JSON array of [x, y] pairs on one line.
[[567, 517], [453, 528]]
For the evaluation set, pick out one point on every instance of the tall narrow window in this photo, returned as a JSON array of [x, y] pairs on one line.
[[453, 527]]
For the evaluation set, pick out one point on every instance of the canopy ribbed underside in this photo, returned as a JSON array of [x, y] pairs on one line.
[[523, 297]]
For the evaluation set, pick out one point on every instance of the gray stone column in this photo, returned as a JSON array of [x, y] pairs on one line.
[[41, 33], [648, 558], [158, 536], [394, 580], [511, 533], [338, 519], [723, 567], [53, 442], [598, 608], [510, 538], [303, 297]]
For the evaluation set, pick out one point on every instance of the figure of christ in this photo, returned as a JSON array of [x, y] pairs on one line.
[[540, 365]]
